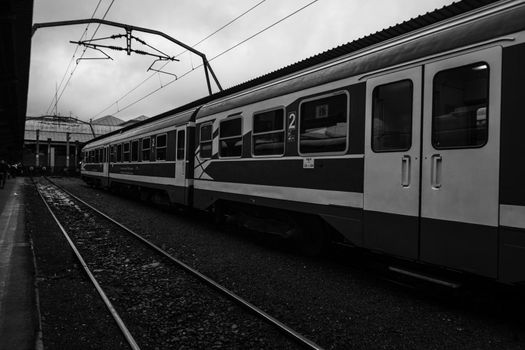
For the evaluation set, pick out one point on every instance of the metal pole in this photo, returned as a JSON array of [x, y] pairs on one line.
[[37, 158], [76, 155], [49, 153], [67, 150]]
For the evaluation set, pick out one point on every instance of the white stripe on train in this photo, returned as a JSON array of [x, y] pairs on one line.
[[305, 195]]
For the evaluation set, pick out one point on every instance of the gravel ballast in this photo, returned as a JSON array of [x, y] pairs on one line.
[[336, 304], [162, 306], [73, 315]]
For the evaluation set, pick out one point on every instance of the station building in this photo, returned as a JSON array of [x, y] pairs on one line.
[[52, 143]]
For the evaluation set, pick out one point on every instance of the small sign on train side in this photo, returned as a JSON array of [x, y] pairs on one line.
[[308, 163]]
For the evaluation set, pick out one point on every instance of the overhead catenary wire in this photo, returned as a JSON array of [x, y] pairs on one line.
[[216, 56], [83, 52], [179, 54], [53, 100]]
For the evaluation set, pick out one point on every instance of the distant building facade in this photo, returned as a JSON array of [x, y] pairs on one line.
[[52, 144]]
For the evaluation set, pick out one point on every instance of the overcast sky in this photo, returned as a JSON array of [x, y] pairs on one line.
[[96, 85]]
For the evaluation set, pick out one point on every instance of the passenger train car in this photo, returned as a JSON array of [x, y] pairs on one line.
[[406, 142]]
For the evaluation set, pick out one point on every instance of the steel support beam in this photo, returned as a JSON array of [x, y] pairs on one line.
[[129, 29]]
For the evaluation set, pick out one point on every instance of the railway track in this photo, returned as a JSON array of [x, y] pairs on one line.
[[159, 298]]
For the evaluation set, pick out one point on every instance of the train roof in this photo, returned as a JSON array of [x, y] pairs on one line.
[[165, 123], [403, 29]]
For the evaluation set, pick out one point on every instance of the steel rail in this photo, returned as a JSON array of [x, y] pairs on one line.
[[127, 334], [273, 321]]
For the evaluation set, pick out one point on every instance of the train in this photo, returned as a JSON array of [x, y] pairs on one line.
[[406, 142]]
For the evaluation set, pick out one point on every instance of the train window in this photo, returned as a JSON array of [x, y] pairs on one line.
[[125, 152], [206, 138], [134, 151], [119, 153], [112, 156], [181, 139], [161, 147], [105, 155], [460, 107], [146, 149], [268, 133], [97, 155], [392, 117], [230, 137], [323, 124]]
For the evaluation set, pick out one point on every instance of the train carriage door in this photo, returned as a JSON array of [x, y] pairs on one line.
[[180, 165], [105, 162], [460, 162], [392, 165]]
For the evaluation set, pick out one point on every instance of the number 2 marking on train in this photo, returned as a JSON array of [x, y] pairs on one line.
[[291, 119]]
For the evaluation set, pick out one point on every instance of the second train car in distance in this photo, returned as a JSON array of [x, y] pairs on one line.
[[406, 142]]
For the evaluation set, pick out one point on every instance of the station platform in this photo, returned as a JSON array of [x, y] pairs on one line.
[[19, 319]]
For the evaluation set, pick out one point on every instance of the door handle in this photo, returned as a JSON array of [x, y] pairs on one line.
[[405, 171], [435, 171]]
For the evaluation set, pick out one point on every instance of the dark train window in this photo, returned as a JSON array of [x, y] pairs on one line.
[[125, 152], [112, 157], [160, 149], [119, 152], [460, 107], [392, 117], [206, 140], [181, 141], [268, 133], [323, 125], [230, 137], [146, 149], [134, 151]]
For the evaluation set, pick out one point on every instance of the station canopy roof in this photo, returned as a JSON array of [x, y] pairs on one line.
[[57, 128]]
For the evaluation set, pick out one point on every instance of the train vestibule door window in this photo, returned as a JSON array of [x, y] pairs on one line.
[[180, 166], [460, 162], [105, 166], [392, 152]]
